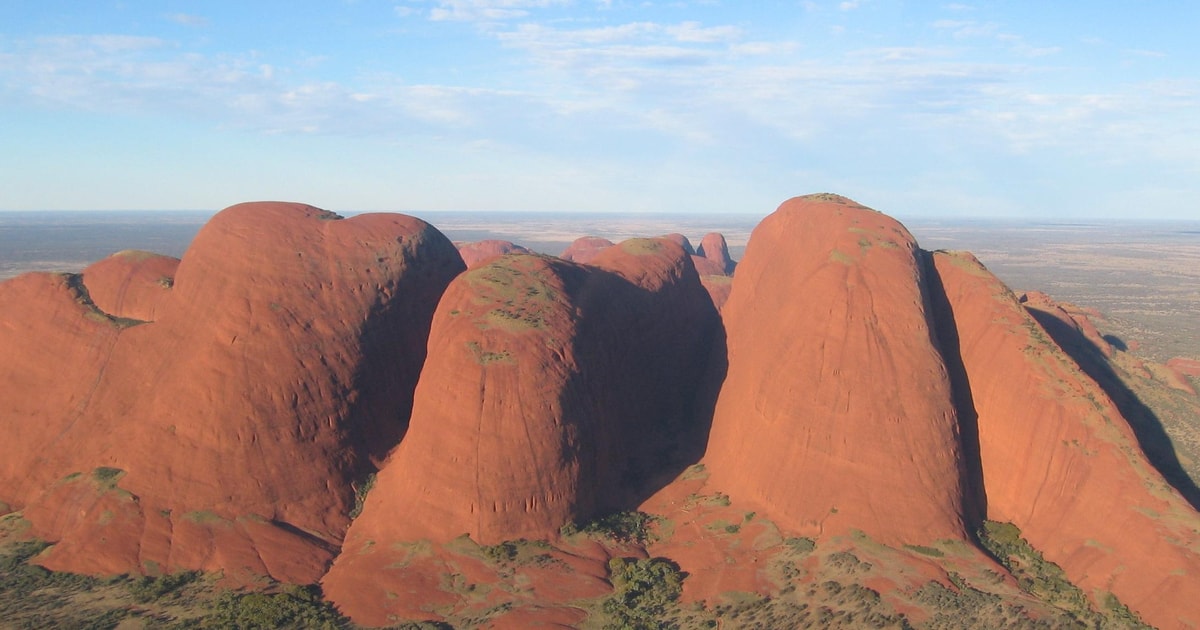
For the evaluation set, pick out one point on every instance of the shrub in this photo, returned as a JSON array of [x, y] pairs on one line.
[[646, 592]]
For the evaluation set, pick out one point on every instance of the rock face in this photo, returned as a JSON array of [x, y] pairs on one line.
[[553, 392], [56, 344], [479, 252], [714, 248], [1058, 460], [585, 248], [130, 284], [836, 411], [226, 434]]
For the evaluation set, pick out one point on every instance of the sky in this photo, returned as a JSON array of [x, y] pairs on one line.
[[1016, 109]]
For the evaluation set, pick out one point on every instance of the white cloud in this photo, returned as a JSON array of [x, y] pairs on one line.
[[187, 19], [487, 10], [694, 32]]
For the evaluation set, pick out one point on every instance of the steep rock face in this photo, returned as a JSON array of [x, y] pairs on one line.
[[836, 411], [130, 284], [1057, 458], [714, 248], [553, 392], [279, 367], [585, 248], [479, 252]]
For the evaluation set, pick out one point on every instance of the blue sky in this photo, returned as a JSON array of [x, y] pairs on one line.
[[955, 109]]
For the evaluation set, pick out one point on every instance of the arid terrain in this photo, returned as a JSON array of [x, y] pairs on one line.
[[287, 418]]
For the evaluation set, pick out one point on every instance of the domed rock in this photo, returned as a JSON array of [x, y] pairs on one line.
[[279, 367], [479, 252], [1058, 460], [585, 248], [130, 284], [553, 392], [714, 248], [680, 240], [836, 411]]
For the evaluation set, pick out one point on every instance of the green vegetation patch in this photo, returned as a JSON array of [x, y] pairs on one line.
[[486, 357], [107, 477], [645, 592], [360, 494], [1047, 582], [632, 526], [932, 552], [641, 246], [295, 607]]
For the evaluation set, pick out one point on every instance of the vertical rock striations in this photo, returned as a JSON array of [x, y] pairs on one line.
[[836, 411]]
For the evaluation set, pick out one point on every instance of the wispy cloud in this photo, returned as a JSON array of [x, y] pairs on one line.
[[487, 10], [187, 19]]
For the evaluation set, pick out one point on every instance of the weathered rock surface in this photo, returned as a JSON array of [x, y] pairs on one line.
[[553, 392], [479, 252], [836, 413], [1058, 460], [278, 369]]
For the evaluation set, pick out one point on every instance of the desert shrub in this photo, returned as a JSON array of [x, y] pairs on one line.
[[630, 526], [147, 589], [646, 592], [295, 607], [360, 495], [1048, 582]]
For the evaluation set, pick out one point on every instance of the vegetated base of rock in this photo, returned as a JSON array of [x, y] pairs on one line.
[[693, 558]]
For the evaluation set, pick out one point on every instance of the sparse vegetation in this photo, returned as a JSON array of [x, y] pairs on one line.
[[360, 494], [1047, 582]]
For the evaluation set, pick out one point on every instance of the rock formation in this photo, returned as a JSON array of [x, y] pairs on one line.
[[1058, 460], [585, 248], [836, 411], [227, 433], [553, 392], [479, 252], [714, 248], [225, 412], [130, 284]]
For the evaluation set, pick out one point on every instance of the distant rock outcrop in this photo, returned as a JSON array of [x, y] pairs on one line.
[[227, 433], [585, 248], [714, 248], [479, 252], [680, 240], [836, 412], [1058, 460], [130, 284]]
